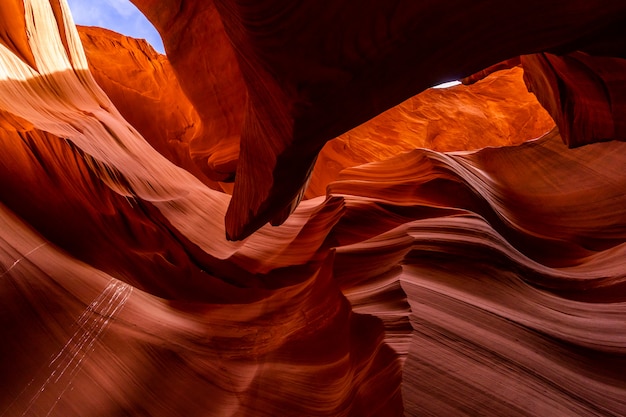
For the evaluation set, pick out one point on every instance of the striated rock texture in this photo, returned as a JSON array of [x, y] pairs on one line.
[[450, 256], [584, 93]]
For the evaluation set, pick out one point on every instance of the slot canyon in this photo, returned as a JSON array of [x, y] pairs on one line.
[[280, 216]]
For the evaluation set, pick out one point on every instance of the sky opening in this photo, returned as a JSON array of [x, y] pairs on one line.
[[447, 84], [123, 17], [118, 15]]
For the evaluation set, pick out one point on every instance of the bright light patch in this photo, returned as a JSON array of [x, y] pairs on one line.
[[448, 84], [118, 15]]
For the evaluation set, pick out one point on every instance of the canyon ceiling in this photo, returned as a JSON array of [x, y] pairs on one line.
[[280, 218]]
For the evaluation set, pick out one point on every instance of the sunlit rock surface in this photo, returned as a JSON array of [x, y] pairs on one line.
[[499, 107], [451, 256]]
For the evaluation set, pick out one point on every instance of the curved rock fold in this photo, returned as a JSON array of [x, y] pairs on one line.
[[449, 254]]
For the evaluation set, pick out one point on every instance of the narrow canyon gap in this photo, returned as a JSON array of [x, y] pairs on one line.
[[280, 218]]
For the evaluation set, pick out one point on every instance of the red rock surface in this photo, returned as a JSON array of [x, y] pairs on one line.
[[202, 56], [496, 111], [143, 87], [584, 93], [307, 85], [459, 258]]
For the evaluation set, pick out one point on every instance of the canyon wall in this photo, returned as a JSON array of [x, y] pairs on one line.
[[436, 252]]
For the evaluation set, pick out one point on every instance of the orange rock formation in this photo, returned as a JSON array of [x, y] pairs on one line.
[[446, 256]]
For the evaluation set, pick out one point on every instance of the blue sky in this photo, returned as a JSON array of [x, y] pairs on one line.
[[118, 15]]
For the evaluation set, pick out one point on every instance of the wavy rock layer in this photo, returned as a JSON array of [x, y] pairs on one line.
[[414, 281]]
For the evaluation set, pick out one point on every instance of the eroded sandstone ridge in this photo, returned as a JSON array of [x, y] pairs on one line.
[[441, 253]]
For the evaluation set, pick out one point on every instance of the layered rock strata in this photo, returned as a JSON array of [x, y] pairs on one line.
[[451, 256]]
